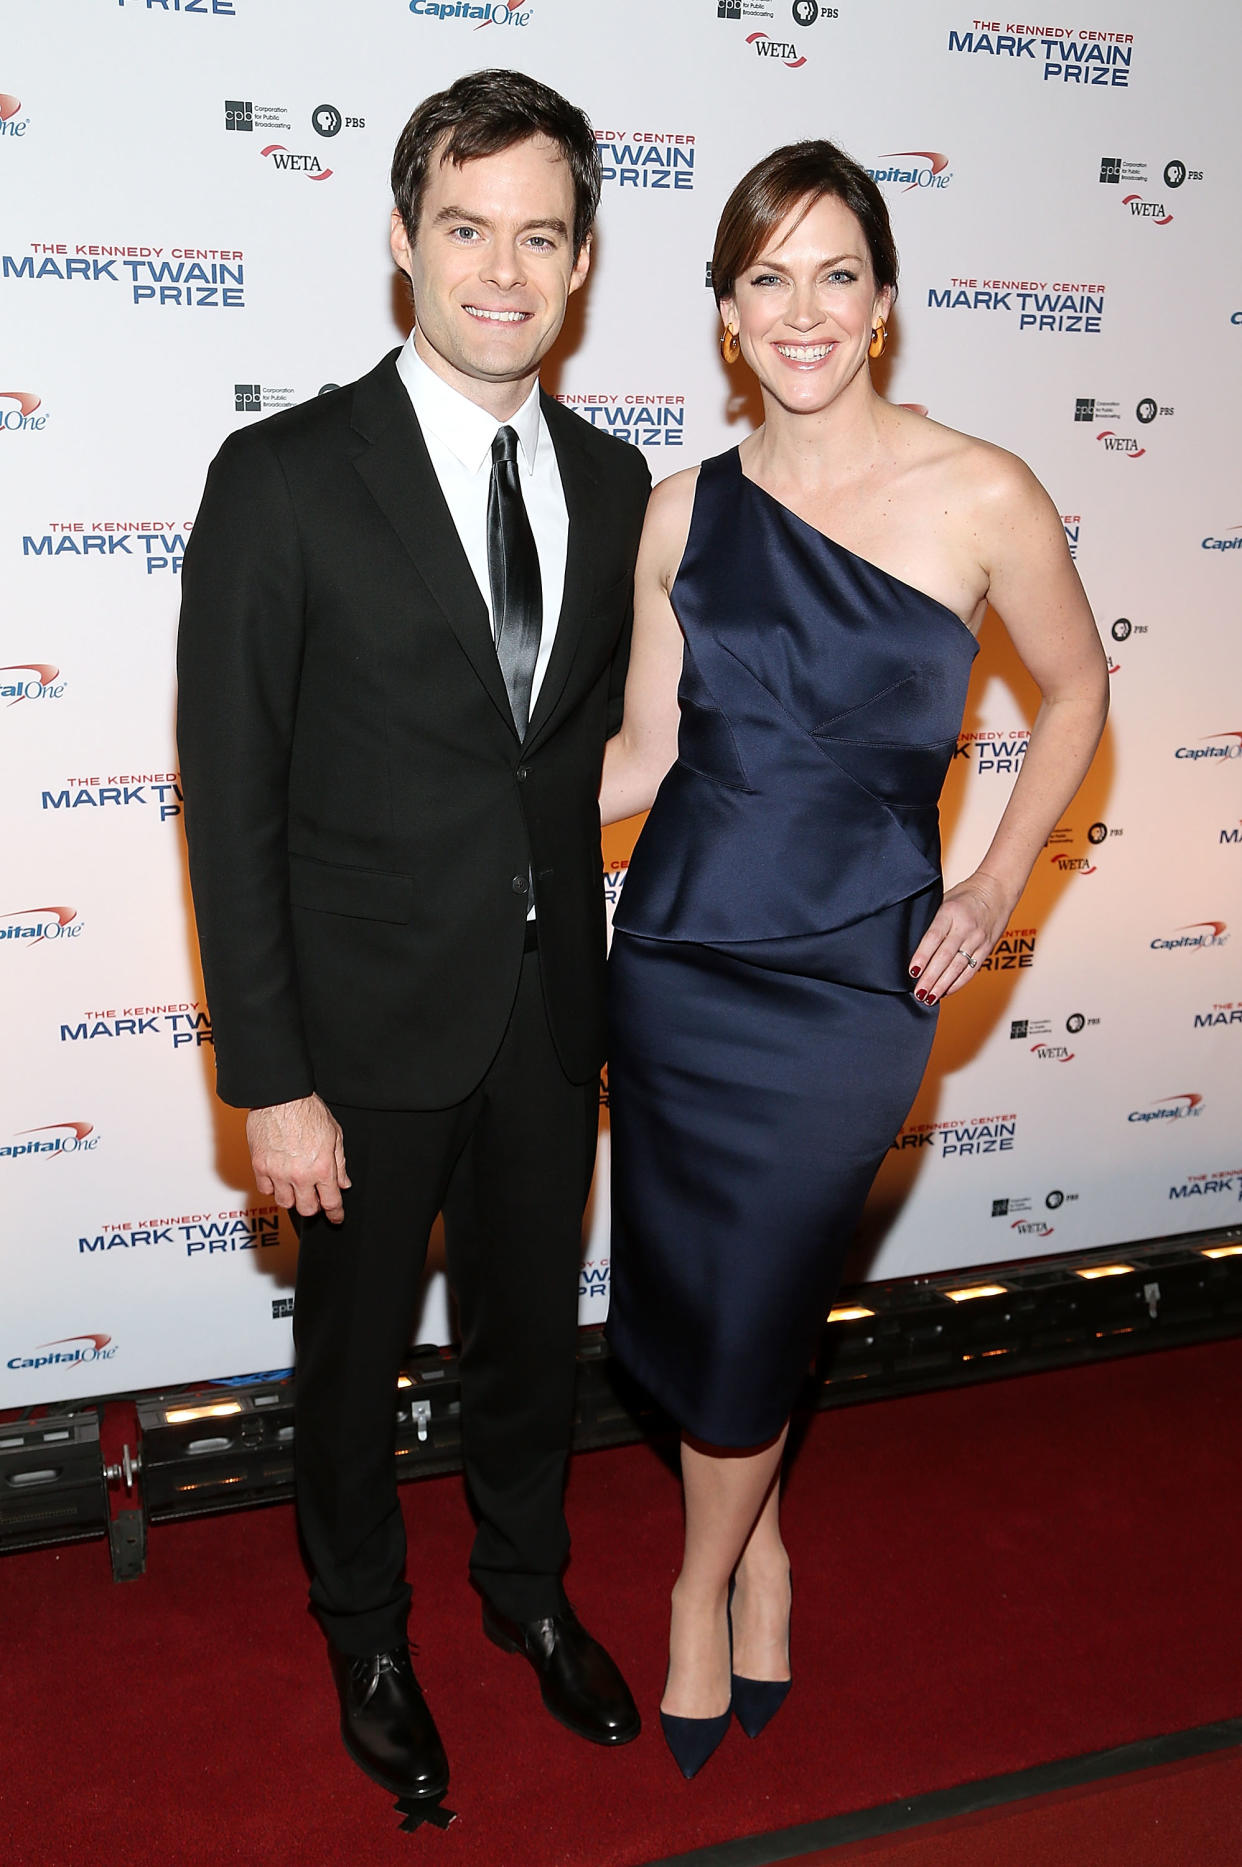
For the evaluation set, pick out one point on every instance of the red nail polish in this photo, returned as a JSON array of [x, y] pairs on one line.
[[931, 998], [922, 997], [915, 971]]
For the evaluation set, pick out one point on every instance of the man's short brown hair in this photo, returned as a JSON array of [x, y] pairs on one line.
[[482, 114]]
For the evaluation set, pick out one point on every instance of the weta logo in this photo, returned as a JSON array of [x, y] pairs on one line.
[[310, 166], [767, 47], [1154, 211]]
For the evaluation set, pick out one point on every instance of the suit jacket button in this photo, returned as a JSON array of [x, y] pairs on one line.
[[520, 884], [522, 773]]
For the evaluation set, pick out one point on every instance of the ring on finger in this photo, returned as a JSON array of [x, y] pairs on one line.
[[972, 963]]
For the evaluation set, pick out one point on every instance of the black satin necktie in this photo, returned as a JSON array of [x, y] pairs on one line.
[[513, 571]]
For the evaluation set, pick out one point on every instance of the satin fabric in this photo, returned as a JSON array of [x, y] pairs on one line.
[[765, 1044]]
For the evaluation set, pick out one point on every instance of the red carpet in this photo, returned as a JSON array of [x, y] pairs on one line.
[[1186, 1815], [985, 1579]]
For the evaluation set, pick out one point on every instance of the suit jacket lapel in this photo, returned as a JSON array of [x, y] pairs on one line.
[[397, 470], [579, 484]]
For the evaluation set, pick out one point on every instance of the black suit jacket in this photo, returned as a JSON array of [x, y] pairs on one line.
[[361, 816]]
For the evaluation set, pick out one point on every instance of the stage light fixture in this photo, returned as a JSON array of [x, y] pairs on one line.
[[1091, 1271], [1222, 1251], [177, 1416], [975, 1290], [849, 1312]]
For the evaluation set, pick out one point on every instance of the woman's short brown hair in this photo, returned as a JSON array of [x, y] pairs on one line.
[[483, 114], [769, 193]]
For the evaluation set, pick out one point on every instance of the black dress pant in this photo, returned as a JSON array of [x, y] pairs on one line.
[[510, 1167]]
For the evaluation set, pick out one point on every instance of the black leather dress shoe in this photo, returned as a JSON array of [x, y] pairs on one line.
[[386, 1726], [581, 1686]]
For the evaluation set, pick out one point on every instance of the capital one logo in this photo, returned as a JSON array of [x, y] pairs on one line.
[[52, 1139], [33, 925], [22, 419], [933, 176], [44, 686]]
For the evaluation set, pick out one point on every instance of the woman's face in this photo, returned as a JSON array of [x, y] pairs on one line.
[[806, 307]]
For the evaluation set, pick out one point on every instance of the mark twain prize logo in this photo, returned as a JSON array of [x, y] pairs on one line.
[[646, 420], [593, 1281], [29, 927], [184, 1026], [1013, 952], [1194, 937], [994, 754], [157, 544], [614, 881], [1168, 1109], [656, 159], [216, 9], [982, 1134], [190, 278], [158, 793], [1212, 749], [911, 169], [1085, 56], [1061, 307], [23, 418], [1222, 1016], [12, 122], [51, 1141], [491, 13], [66, 1353], [198, 1235], [30, 680], [1223, 1183]]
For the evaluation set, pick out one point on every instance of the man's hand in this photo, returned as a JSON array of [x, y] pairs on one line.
[[298, 1157]]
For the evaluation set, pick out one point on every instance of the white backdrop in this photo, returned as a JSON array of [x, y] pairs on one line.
[[193, 217]]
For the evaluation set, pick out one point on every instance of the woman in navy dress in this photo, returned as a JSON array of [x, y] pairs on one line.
[[805, 615]]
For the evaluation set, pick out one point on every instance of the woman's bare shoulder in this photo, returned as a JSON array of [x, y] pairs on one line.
[[667, 525], [970, 469]]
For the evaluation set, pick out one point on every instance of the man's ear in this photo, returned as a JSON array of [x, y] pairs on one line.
[[399, 243], [582, 265]]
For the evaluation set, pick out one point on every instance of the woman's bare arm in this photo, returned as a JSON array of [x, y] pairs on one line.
[[636, 758], [1035, 589]]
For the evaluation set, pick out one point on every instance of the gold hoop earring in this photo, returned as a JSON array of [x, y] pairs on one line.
[[730, 345], [879, 337]]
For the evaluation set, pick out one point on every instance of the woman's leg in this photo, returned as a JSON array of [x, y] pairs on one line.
[[729, 1495], [761, 1597]]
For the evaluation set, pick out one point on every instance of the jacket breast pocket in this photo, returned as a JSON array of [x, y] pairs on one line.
[[335, 888]]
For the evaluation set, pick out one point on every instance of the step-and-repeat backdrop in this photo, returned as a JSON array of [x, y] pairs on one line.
[[193, 221]]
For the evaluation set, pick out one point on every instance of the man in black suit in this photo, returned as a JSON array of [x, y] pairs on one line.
[[404, 630]]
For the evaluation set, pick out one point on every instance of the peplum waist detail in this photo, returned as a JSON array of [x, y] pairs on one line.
[[716, 865]]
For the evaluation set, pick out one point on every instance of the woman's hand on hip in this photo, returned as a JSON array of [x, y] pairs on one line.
[[971, 920]]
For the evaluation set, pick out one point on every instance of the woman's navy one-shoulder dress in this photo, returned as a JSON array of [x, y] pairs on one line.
[[765, 1041]]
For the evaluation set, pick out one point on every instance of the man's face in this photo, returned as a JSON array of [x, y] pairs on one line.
[[492, 267]]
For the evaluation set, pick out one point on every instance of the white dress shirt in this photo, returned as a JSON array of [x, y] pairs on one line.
[[459, 436]]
